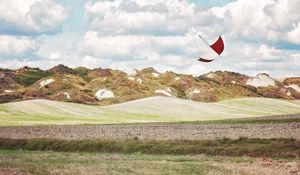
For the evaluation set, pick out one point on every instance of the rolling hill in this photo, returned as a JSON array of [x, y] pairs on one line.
[[107, 86], [151, 109]]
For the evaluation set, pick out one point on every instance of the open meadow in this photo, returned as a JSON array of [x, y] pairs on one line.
[[149, 87], [152, 109], [156, 135], [75, 163]]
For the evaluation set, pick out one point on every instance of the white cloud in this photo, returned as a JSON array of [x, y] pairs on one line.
[[22, 21], [284, 14], [139, 47], [294, 35], [261, 20], [269, 53], [138, 33], [55, 56], [130, 34], [15, 46], [17, 63], [31, 16], [164, 63], [159, 17], [196, 70], [92, 62], [163, 34], [246, 19], [251, 59]]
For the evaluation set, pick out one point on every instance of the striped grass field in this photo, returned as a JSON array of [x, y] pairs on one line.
[[152, 109]]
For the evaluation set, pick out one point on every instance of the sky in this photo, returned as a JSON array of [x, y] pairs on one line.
[[259, 35]]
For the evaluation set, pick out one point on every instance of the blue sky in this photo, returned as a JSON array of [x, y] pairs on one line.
[[260, 35], [211, 3], [74, 26]]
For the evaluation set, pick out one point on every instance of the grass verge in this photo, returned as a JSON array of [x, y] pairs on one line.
[[277, 148], [19, 162], [271, 120]]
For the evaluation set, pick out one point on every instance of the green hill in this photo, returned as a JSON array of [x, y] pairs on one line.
[[152, 109], [108, 86]]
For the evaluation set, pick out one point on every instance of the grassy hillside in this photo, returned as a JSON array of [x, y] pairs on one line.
[[80, 85], [186, 109], [153, 109]]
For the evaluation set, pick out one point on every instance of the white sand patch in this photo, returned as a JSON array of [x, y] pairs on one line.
[[261, 80], [103, 93], [167, 92], [177, 78], [139, 80], [67, 95], [195, 91], [8, 91], [288, 93], [281, 79], [46, 82], [154, 74], [233, 82], [129, 71], [211, 75], [131, 78], [294, 86]]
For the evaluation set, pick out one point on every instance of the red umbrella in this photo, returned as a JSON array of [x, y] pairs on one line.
[[214, 50]]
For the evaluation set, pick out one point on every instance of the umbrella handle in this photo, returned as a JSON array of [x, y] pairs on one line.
[[204, 40]]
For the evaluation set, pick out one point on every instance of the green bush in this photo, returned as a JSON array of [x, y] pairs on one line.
[[30, 77]]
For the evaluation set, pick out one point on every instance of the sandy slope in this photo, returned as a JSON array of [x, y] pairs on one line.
[[153, 109]]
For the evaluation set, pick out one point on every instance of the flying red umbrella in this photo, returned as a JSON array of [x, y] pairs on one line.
[[214, 50]]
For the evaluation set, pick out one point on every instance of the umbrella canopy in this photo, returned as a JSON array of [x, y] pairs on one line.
[[214, 50]]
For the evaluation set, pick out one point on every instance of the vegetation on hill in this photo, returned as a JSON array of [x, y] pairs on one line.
[[61, 69], [80, 85], [28, 76]]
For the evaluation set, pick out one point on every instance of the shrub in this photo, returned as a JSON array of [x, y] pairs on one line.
[[30, 77]]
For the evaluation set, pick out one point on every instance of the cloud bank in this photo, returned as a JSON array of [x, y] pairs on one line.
[[22, 21], [260, 35]]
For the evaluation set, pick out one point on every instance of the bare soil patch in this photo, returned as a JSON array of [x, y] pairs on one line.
[[6, 171], [262, 166], [160, 131]]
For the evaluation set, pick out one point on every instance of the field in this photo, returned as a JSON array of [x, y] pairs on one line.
[[153, 109], [42, 163], [156, 135], [285, 126]]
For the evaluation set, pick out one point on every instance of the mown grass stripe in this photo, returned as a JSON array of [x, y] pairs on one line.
[[246, 121]]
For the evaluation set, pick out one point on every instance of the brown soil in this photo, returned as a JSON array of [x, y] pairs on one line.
[[5, 171], [263, 166], [186, 131]]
